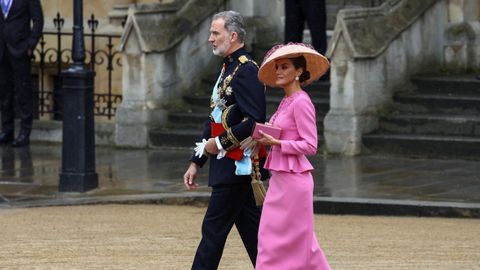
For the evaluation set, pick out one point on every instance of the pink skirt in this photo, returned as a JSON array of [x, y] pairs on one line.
[[286, 237]]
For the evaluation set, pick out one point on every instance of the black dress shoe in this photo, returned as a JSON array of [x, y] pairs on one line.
[[6, 137], [21, 140]]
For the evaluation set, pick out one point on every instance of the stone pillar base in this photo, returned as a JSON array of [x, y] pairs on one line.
[[134, 123], [343, 131]]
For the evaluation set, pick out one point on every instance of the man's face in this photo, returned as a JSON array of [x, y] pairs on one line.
[[220, 38]]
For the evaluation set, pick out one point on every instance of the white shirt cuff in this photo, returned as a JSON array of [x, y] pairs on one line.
[[219, 145]]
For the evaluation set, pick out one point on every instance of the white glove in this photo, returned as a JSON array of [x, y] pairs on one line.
[[221, 154], [200, 148]]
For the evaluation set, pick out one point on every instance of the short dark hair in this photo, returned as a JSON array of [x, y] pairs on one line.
[[301, 62], [234, 22]]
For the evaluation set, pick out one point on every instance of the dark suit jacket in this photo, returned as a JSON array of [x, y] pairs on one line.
[[17, 35], [246, 101]]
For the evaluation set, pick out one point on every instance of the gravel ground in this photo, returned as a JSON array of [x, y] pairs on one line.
[[166, 237]]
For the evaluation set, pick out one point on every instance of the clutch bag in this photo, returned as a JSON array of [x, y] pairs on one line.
[[267, 129]]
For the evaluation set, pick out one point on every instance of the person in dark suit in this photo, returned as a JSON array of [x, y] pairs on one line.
[[21, 25], [238, 101], [314, 13]]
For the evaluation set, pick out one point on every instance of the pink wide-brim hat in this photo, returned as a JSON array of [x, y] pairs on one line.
[[317, 64]]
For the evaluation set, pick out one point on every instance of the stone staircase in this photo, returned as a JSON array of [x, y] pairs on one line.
[[184, 127], [440, 118]]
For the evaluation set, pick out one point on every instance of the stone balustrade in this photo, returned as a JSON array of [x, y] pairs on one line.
[[374, 52]]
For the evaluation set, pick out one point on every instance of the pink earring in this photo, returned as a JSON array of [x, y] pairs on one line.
[[297, 78]]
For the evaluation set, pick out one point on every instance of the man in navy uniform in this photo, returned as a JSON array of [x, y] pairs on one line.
[[21, 25], [238, 101]]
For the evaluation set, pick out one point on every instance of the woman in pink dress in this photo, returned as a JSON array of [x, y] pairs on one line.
[[286, 237]]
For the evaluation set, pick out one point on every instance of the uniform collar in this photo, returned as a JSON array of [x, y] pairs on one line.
[[233, 57]]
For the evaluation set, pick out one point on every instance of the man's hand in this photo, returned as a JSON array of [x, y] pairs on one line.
[[211, 147], [190, 175]]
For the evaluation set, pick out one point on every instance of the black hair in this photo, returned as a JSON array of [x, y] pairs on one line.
[[301, 62]]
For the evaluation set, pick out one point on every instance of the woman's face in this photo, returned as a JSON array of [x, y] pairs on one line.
[[285, 72]]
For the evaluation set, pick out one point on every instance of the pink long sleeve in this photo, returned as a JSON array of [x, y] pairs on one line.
[[305, 120], [298, 138]]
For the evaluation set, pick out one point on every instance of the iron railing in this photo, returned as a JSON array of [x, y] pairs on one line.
[[50, 59]]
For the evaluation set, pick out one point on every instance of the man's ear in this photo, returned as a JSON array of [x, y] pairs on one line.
[[233, 37]]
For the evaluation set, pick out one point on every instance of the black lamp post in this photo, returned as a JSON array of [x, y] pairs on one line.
[[78, 149]]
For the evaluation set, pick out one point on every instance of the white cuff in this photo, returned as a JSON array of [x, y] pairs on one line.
[[219, 145]]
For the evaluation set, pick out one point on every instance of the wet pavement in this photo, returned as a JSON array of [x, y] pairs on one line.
[[367, 184]]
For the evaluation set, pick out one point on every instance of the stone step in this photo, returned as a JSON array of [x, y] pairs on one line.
[[462, 84], [461, 147], [203, 101], [431, 124], [183, 137], [197, 120], [184, 127], [200, 104], [322, 105], [321, 88], [440, 118], [174, 137], [192, 120], [439, 103], [197, 103], [317, 89]]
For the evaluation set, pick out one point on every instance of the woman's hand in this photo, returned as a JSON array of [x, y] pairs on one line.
[[267, 139]]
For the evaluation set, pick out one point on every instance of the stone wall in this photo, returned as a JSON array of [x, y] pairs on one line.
[[100, 8], [165, 53]]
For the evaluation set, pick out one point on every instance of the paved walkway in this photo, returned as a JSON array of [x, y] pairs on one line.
[[368, 184], [165, 237]]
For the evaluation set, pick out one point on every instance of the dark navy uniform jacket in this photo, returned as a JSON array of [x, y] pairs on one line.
[[244, 99]]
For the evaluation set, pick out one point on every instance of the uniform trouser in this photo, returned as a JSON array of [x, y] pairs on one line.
[[16, 85], [229, 205], [312, 11]]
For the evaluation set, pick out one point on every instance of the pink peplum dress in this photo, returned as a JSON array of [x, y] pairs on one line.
[[286, 237]]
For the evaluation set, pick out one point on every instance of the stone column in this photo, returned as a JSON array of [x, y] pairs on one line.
[[138, 111], [164, 53], [463, 10], [462, 48], [353, 100]]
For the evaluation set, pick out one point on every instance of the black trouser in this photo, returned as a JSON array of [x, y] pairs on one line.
[[16, 85], [229, 205], [312, 11]]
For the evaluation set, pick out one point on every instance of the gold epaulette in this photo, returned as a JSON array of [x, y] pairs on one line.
[[243, 59]]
